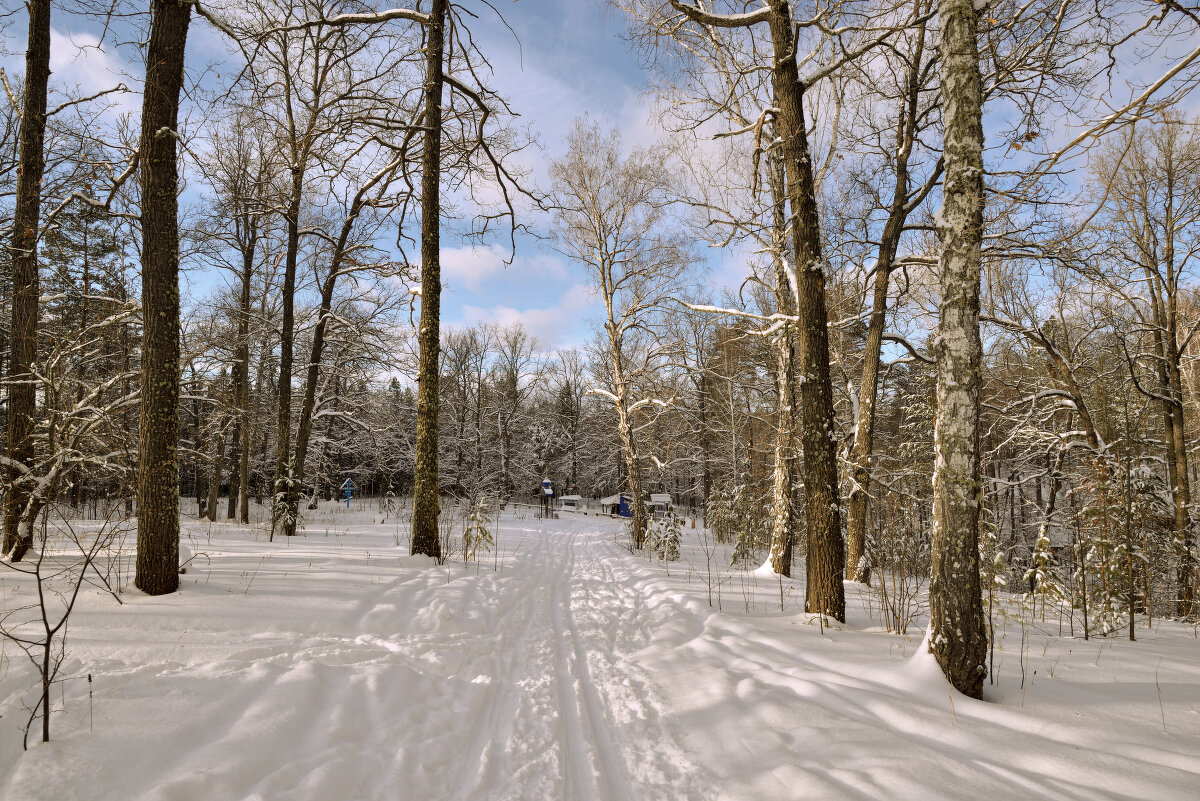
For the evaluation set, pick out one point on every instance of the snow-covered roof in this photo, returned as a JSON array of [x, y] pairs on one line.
[[660, 498], [611, 500], [570, 497]]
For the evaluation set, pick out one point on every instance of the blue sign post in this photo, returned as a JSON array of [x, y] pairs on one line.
[[348, 488], [547, 494]]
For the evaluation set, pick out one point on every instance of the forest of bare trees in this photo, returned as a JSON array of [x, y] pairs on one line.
[[964, 344]]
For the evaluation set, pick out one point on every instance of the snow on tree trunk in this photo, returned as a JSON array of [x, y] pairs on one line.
[[22, 403], [157, 571], [958, 636], [425, 476], [783, 512], [825, 593]]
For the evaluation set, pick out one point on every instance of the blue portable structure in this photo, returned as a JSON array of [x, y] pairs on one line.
[[625, 507], [621, 505]]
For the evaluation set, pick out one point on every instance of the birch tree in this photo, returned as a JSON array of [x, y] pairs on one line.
[[611, 217], [957, 632]]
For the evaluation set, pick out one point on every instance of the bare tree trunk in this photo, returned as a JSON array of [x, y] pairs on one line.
[[858, 565], [22, 400], [1175, 432], [304, 431], [235, 461], [1182, 495], [957, 630], [425, 475], [783, 512], [214, 483], [705, 447], [824, 592], [241, 394], [157, 570], [284, 490], [633, 478]]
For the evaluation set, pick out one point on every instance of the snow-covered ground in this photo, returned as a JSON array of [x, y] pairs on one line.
[[334, 666]]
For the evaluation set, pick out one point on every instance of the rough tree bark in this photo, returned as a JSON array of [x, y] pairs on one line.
[[826, 550], [824, 593], [22, 403], [284, 487], [957, 630], [157, 569], [425, 475]]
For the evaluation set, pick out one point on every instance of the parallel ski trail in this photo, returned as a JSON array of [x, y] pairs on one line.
[[612, 769], [573, 757], [358, 673]]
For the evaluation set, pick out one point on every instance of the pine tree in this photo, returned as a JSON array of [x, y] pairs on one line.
[[1043, 576]]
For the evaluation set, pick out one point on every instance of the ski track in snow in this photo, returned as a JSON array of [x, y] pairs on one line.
[[440, 684], [334, 668]]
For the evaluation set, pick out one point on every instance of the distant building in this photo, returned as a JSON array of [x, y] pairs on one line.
[[621, 505]]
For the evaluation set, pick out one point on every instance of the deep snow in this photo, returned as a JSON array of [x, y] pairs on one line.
[[334, 666]]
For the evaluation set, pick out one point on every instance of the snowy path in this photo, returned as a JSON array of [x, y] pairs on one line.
[[442, 684], [331, 667]]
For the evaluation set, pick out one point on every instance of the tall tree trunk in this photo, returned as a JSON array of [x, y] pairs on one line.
[[1167, 310], [824, 592], [957, 631], [304, 430], [1182, 496], [858, 565], [425, 475], [633, 478], [284, 488], [241, 391], [78, 485], [22, 397], [214, 482], [199, 487], [235, 461], [783, 511], [705, 443], [157, 569], [127, 490]]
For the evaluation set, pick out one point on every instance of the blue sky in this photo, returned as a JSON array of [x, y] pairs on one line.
[[566, 60], [570, 61]]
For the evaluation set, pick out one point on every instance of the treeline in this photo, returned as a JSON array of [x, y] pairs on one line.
[[962, 345]]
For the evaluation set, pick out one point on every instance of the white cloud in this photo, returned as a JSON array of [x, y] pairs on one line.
[[82, 65], [555, 326], [468, 267], [471, 267]]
